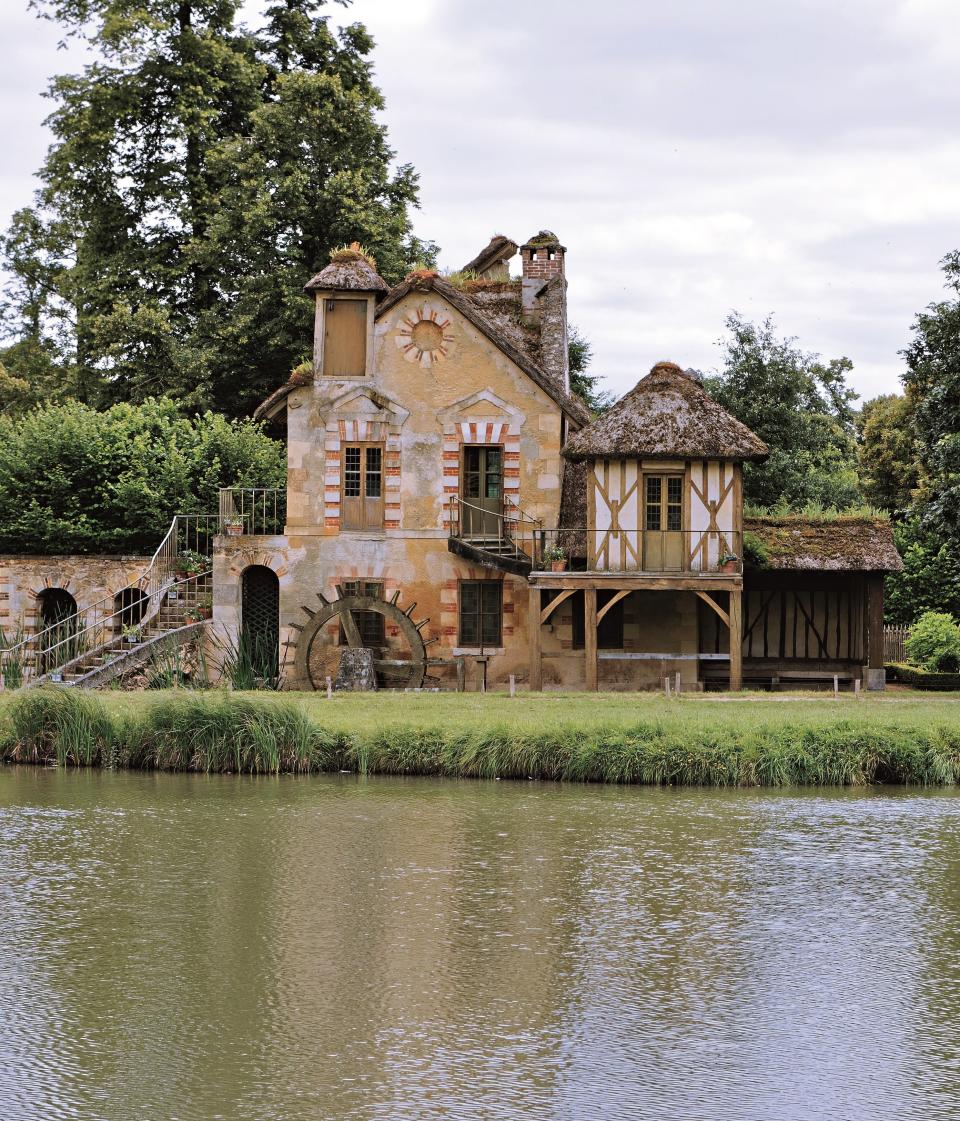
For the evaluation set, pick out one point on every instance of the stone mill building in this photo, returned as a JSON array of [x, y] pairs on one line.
[[452, 507]]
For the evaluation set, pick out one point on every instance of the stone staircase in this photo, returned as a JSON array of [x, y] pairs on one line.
[[175, 622], [161, 609]]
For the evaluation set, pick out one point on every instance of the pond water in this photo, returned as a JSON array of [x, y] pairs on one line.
[[340, 949]]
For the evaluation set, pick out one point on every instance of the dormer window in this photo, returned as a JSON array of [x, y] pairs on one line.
[[345, 337]]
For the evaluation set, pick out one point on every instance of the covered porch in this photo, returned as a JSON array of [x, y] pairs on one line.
[[721, 592]]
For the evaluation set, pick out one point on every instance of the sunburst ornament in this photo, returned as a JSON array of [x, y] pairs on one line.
[[424, 336]]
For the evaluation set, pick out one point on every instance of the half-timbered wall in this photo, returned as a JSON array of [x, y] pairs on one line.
[[712, 514], [796, 617]]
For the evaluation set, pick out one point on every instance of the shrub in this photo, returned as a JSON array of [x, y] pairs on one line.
[[934, 643]]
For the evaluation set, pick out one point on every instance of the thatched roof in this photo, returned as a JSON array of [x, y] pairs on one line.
[[500, 250], [350, 270], [266, 409], [509, 342], [840, 544], [667, 415]]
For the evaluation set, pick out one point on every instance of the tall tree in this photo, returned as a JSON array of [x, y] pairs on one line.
[[932, 383], [887, 453], [800, 406], [199, 174], [582, 382]]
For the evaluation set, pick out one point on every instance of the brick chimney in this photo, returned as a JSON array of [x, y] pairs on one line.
[[545, 304]]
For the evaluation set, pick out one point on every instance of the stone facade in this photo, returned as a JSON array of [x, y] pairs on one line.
[[89, 579]]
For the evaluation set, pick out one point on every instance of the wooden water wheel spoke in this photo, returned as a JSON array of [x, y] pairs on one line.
[[411, 670]]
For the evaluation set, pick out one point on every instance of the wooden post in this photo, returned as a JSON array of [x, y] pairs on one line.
[[329, 688], [590, 638], [875, 624], [676, 687], [461, 674], [736, 642], [536, 663], [513, 685]]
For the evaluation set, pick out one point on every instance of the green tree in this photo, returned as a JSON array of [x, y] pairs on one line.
[[930, 580], [887, 453], [800, 406], [74, 480], [200, 173], [582, 383], [932, 383]]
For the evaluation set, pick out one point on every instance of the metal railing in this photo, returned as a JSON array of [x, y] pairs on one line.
[[670, 551], [183, 557], [510, 529], [253, 510]]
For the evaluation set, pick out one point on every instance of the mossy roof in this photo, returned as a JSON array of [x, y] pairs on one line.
[[499, 249], [667, 415], [349, 271], [841, 544]]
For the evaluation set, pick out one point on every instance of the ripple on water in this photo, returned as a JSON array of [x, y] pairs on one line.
[[283, 950]]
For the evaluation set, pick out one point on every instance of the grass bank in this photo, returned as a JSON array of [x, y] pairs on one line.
[[753, 740]]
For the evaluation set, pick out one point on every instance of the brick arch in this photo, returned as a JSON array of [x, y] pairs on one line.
[[247, 558]]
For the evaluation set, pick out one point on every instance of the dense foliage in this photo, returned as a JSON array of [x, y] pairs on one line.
[[74, 480], [934, 643], [200, 174], [800, 406]]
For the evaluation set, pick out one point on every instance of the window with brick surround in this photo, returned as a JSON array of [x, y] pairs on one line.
[[481, 613]]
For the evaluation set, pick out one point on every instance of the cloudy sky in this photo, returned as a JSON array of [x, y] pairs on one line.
[[694, 157]]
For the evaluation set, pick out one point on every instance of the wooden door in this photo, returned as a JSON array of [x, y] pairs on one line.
[[663, 523], [481, 487], [361, 499]]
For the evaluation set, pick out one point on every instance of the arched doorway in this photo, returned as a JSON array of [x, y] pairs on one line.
[[58, 620], [260, 621], [129, 607]]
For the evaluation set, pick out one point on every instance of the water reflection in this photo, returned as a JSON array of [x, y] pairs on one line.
[[292, 949]]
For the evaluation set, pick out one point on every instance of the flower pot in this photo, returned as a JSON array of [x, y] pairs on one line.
[[234, 530], [182, 574], [729, 567], [205, 612], [558, 566]]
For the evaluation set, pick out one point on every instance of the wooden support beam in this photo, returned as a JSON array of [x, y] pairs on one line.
[[875, 621], [708, 599], [553, 605], [590, 638], [736, 642], [610, 603], [350, 629], [536, 660]]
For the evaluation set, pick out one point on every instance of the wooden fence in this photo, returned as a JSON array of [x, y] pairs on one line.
[[894, 639]]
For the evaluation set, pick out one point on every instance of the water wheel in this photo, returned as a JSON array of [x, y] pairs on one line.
[[401, 672]]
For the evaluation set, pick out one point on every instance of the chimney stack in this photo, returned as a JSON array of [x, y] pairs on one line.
[[544, 301]]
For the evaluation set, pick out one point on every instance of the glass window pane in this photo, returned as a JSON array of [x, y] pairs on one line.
[[351, 472], [374, 477], [653, 489]]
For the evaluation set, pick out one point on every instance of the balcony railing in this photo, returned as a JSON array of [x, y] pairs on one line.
[[254, 510], [603, 550]]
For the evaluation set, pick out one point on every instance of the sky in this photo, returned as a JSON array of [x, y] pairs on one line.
[[695, 157]]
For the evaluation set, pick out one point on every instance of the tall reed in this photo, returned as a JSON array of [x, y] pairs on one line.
[[223, 732]]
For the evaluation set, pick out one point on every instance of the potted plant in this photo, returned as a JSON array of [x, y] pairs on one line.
[[132, 634], [728, 563], [190, 563], [557, 558], [204, 608], [233, 524]]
